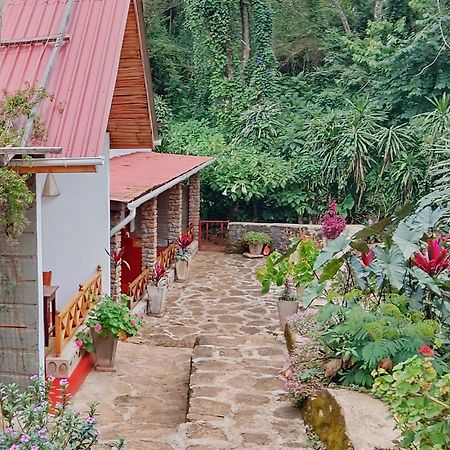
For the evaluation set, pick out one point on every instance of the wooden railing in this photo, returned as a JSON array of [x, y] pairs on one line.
[[190, 232], [73, 315], [138, 287], [167, 256]]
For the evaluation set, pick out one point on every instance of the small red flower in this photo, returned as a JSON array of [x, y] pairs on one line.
[[368, 257], [426, 350]]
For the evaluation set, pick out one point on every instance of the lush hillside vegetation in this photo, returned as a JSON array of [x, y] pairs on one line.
[[302, 101]]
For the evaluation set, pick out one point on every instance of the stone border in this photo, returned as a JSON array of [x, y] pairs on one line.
[[345, 419]]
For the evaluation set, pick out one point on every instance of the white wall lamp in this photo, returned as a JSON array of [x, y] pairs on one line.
[[50, 187]]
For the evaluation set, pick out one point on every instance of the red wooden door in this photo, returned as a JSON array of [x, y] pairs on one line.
[[133, 256]]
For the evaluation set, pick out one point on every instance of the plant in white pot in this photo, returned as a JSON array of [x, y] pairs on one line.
[[256, 240], [294, 271], [157, 290], [182, 258]]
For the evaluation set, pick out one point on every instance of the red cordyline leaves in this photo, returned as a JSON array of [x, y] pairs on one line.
[[434, 259], [184, 241], [159, 273], [332, 223]]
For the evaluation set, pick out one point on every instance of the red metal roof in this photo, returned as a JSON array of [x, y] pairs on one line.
[[83, 78], [132, 176]]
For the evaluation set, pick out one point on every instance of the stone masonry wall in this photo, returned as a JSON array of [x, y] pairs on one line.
[[194, 202], [149, 226], [281, 233], [20, 304], [175, 213], [115, 246]]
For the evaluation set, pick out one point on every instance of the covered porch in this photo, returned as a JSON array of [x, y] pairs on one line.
[[155, 199]]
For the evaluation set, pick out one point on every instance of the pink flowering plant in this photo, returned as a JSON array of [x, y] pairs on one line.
[[332, 223], [28, 422], [109, 316]]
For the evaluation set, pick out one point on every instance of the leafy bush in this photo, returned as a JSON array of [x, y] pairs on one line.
[[419, 400], [257, 237], [296, 269], [29, 423], [359, 339]]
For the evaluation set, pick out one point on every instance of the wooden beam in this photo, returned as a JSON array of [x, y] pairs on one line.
[[54, 169], [29, 150]]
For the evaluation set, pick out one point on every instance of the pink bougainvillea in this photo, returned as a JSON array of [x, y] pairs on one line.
[[332, 223]]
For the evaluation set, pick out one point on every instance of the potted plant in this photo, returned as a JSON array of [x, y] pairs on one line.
[[108, 322], [182, 258], [290, 270], [256, 240], [157, 290]]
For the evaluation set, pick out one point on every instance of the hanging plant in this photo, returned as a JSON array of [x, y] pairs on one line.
[[15, 197]]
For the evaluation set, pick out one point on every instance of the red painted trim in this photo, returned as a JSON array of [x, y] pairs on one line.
[[84, 366]]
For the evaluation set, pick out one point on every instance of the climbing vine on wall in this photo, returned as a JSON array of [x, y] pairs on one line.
[[222, 73]]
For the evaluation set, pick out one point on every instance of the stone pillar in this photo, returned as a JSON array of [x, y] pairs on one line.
[[194, 202], [175, 213], [149, 226], [115, 247]]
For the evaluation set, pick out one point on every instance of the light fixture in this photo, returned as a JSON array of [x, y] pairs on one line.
[[50, 187]]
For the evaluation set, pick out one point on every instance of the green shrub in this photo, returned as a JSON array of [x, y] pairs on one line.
[[419, 400], [257, 237]]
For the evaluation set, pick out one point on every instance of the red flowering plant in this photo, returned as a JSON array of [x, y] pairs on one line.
[[433, 259], [183, 244], [332, 223], [159, 275]]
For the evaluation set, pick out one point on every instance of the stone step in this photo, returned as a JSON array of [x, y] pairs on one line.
[[237, 399]]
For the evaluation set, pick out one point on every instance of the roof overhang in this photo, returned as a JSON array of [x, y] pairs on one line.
[[138, 177]]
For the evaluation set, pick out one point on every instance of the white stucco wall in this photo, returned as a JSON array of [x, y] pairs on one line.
[[75, 230]]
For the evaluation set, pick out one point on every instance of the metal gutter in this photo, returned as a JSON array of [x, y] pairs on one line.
[[58, 162], [132, 206]]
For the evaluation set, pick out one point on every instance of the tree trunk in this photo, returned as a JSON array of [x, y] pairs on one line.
[[245, 20], [378, 11], [342, 16]]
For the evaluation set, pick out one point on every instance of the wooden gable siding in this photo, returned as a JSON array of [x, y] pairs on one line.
[[129, 121]]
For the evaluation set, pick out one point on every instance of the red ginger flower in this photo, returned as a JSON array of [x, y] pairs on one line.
[[432, 260], [426, 350], [368, 257]]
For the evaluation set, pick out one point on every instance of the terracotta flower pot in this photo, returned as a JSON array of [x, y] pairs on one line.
[[182, 269], [105, 351], [285, 309], [255, 249], [157, 297]]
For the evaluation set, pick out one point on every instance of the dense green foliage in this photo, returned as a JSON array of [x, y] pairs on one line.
[[419, 400], [304, 101]]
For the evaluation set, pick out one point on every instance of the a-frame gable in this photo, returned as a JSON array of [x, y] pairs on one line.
[[132, 122]]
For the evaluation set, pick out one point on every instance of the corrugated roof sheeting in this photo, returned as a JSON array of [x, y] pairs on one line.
[[135, 174], [81, 84]]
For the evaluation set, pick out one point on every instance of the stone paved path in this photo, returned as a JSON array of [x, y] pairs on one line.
[[233, 398]]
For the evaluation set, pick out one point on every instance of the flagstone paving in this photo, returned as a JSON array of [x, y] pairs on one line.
[[229, 397]]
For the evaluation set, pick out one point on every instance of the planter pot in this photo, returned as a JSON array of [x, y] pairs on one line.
[[157, 297], [286, 309], [182, 269], [105, 351], [255, 249]]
